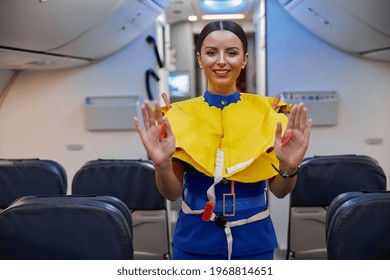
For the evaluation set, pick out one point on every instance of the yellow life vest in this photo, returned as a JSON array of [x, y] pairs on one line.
[[245, 131]]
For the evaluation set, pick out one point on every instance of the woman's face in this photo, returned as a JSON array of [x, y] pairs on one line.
[[222, 58]]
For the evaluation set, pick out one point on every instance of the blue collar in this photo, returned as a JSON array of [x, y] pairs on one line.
[[220, 101]]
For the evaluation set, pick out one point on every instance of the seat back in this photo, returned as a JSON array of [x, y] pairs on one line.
[[30, 177], [66, 228], [358, 228], [133, 182], [321, 179]]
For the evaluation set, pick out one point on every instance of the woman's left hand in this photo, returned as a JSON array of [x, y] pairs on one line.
[[291, 152]]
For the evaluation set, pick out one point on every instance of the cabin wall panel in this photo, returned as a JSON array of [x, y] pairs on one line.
[[298, 61], [43, 114]]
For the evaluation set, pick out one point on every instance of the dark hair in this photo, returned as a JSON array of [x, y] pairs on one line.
[[223, 25]]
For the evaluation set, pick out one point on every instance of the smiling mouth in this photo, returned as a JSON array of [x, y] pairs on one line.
[[221, 72]]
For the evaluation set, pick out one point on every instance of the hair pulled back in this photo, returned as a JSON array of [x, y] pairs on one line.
[[223, 25]]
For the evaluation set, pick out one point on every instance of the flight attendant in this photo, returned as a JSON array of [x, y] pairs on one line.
[[221, 151]]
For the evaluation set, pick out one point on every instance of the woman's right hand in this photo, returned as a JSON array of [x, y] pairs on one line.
[[157, 138]]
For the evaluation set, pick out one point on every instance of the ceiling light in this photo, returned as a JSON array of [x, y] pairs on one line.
[[192, 18], [222, 6], [222, 16]]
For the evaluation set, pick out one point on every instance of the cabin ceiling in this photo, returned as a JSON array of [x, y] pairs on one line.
[[180, 10]]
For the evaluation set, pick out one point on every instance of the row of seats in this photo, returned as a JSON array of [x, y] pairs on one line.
[[339, 209], [114, 203]]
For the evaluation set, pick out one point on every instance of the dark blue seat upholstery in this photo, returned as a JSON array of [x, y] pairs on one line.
[[358, 226], [66, 228], [320, 180], [25, 177], [133, 182]]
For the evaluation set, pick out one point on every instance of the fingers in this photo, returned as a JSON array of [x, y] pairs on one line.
[[298, 117], [303, 118], [165, 129], [159, 115], [138, 126], [163, 133], [291, 117], [168, 128], [145, 116], [278, 132], [308, 129], [149, 117], [152, 119]]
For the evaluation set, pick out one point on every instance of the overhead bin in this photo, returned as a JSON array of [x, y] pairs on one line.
[[46, 25], [83, 30], [15, 59], [356, 26]]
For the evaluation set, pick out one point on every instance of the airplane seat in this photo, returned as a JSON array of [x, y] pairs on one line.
[[66, 228], [320, 180], [357, 226], [133, 182], [25, 177]]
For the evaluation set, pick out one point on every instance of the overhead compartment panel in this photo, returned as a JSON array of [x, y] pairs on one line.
[[57, 34], [45, 25], [23, 60], [128, 20], [356, 26]]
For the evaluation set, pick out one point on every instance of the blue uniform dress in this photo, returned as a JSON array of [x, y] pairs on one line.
[[197, 239]]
